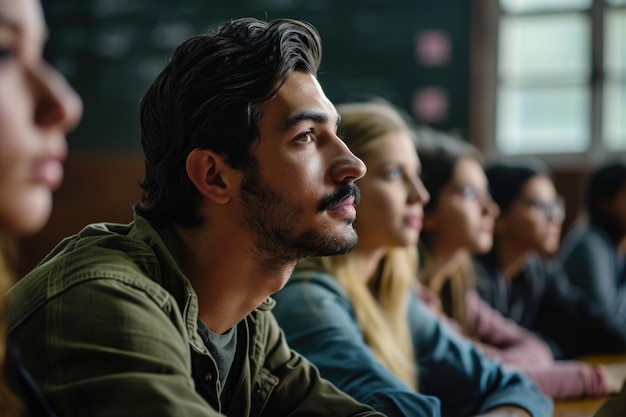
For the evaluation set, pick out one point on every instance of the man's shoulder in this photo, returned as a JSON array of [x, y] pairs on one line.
[[99, 253], [102, 249]]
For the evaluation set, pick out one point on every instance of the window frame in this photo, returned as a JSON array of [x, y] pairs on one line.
[[484, 84]]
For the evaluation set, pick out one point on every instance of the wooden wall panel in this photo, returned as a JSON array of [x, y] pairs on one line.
[[98, 186]]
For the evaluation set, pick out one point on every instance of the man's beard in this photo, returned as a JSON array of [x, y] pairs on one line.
[[274, 220]]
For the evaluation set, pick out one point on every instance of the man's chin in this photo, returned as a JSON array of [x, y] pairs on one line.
[[344, 250], [339, 246]]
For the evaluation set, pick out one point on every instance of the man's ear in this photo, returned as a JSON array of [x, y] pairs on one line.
[[206, 170]]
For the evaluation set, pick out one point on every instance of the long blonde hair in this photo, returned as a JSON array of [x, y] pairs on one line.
[[381, 304]]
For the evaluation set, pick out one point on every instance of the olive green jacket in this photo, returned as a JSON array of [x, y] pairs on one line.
[[107, 326]]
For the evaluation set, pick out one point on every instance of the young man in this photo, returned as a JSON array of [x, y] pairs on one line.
[[170, 316]]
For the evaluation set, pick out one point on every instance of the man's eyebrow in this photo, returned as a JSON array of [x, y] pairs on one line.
[[315, 116]]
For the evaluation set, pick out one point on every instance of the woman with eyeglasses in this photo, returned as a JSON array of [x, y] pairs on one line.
[[593, 253], [518, 279], [458, 221]]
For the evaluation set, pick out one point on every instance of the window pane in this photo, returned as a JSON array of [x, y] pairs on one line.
[[556, 46], [615, 115], [543, 120], [615, 35], [533, 5]]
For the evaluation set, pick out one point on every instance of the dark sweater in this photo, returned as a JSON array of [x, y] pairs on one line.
[[592, 263], [541, 299]]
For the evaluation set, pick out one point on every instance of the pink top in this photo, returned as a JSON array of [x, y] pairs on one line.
[[518, 348]]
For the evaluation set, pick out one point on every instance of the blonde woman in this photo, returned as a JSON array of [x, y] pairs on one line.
[[355, 316], [37, 108]]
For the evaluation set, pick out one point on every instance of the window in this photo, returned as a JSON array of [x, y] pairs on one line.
[[557, 81], [615, 84]]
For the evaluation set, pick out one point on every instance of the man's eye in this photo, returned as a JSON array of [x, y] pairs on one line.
[[306, 137]]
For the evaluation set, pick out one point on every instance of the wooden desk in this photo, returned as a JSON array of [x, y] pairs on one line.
[[578, 408], [585, 408]]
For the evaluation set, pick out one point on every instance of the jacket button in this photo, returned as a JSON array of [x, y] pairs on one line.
[[208, 377]]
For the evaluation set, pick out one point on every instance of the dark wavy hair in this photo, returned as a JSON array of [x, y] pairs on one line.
[[208, 96]]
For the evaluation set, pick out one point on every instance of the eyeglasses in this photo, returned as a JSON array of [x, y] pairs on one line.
[[469, 192], [554, 211]]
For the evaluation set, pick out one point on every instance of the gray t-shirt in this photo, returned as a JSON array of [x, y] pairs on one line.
[[222, 347]]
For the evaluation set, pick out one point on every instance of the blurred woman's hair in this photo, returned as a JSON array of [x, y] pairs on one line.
[[380, 304]]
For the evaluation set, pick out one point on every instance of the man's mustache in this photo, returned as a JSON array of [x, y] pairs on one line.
[[346, 191]]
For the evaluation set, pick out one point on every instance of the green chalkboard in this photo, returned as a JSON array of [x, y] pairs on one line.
[[111, 50]]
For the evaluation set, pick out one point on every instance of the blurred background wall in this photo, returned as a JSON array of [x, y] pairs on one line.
[[111, 50], [455, 65]]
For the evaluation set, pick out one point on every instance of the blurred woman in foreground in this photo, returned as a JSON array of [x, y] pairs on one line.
[[37, 109]]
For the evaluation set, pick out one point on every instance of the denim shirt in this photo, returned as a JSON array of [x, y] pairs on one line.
[[107, 325], [454, 378]]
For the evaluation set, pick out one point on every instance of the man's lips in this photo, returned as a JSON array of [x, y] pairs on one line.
[[347, 196], [348, 202], [345, 208]]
